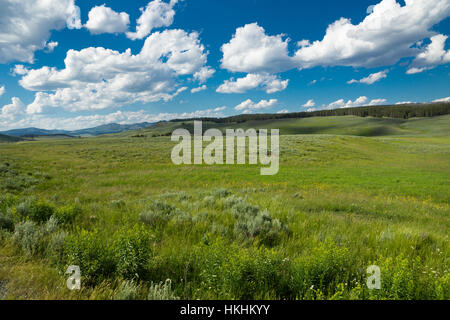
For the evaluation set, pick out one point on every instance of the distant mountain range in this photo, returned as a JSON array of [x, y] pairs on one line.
[[96, 131]]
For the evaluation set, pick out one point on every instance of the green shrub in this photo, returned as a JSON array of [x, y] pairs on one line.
[[92, 254], [407, 278], [66, 215], [228, 271], [132, 250], [7, 201], [119, 204], [41, 211], [320, 271], [6, 222]]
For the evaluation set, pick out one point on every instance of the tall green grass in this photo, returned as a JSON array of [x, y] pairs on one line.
[[141, 228]]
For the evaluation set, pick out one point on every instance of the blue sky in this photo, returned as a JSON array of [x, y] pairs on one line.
[[66, 65]]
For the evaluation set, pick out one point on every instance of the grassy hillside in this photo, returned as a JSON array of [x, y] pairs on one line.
[[131, 219], [6, 138], [343, 125]]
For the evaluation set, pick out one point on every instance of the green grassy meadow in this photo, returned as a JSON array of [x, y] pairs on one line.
[[351, 192]]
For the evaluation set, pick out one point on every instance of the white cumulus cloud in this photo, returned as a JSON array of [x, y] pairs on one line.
[[99, 78], [359, 102], [267, 82], [103, 19], [433, 55], [12, 110], [382, 38], [248, 105], [198, 89], [387, 34], [310, 103], [156, 14], [25, 26], [204, 74], [372, 78], [2, 90], [252, 51], [443, 100]]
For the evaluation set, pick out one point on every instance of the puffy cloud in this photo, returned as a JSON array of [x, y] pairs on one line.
[[248, 105], [99, 78], [404, 102], [50, 46], [252, 51], [204, 74], [103, 19], [267, 82], [310, 103], [19, 70], [433, 55], [25, 26], [372, 78], [382, 38], [361, 101], [283, 111], [12, 110], [156, 14], [443, 100], [2, 90], [387, 34], [198, 89]]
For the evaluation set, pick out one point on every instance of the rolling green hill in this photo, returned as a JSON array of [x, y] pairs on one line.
[[338, 125], [6, 138]]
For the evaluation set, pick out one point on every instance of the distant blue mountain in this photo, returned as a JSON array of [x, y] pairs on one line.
[[96, 131]]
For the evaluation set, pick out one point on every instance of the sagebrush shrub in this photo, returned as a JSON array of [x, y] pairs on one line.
[[244, 209], [128, 290], [23, 209], [209, 201], [161, 291], [232, 201], [163, 207], [221, 193], [55, 248], [154, 219], [27, 235], [260, 226], [159, 214]]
